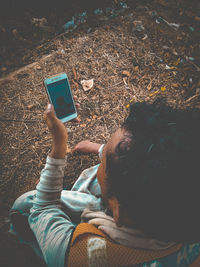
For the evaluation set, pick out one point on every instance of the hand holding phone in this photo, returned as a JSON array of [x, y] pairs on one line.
[[60, 95]]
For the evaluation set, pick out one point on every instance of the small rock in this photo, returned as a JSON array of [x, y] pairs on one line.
[[38, 68]]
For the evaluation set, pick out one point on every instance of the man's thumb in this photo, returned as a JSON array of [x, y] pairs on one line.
[[50, 114]]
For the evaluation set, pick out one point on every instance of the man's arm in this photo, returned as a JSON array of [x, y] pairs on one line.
[[52, 227]]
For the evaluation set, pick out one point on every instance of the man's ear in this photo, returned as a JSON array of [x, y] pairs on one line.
[[115, 207]]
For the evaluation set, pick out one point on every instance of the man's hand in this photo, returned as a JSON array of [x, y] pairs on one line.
[[58, 132]]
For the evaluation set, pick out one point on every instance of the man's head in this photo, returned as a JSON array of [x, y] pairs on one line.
[[150, 172]]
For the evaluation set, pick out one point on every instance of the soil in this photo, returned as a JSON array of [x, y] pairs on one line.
[[131, 58]]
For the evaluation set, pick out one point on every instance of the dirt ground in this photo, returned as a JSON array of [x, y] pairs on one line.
[[131, 58]]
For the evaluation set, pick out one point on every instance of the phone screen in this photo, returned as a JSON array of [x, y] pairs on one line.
[[61, 98]]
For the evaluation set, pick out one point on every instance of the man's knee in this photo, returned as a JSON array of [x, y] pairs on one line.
[[24, 203]]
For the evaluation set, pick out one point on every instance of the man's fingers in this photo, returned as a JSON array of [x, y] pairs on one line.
[[49, 112], [77, 105]]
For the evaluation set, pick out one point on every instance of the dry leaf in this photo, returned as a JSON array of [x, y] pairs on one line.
[[126, 73], [149, 86], [154, 93], [163, 89], [133, 99], [127, 106], [175, 85], [94, 116], [87, 84], [136, 68], [30, 106], [177, 62]]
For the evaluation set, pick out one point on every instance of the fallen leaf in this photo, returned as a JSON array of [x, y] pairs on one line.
[[177, 62], [87, 84], [30, 106], [126, 73], [94, 116], [133, 99], [149, 86], [136, 68], [175, 85], [154, 93], [167, 55], [82, 125]]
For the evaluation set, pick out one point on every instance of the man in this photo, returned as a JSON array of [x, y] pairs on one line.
[[139, 207]]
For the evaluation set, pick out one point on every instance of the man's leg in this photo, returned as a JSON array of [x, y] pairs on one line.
[[19, 216]]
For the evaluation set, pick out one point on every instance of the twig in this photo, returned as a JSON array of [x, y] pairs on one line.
[[9, 120], [75, 74], [191, 98]]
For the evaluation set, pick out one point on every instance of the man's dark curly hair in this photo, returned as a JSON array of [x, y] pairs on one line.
[[155, 171]]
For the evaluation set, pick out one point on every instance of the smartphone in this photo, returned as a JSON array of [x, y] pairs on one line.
[[60, 95]]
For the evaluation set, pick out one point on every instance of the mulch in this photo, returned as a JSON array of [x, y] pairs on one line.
[[127, 66]]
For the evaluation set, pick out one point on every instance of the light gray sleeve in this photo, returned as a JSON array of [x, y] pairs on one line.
[[100, 151], [51, 225]]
